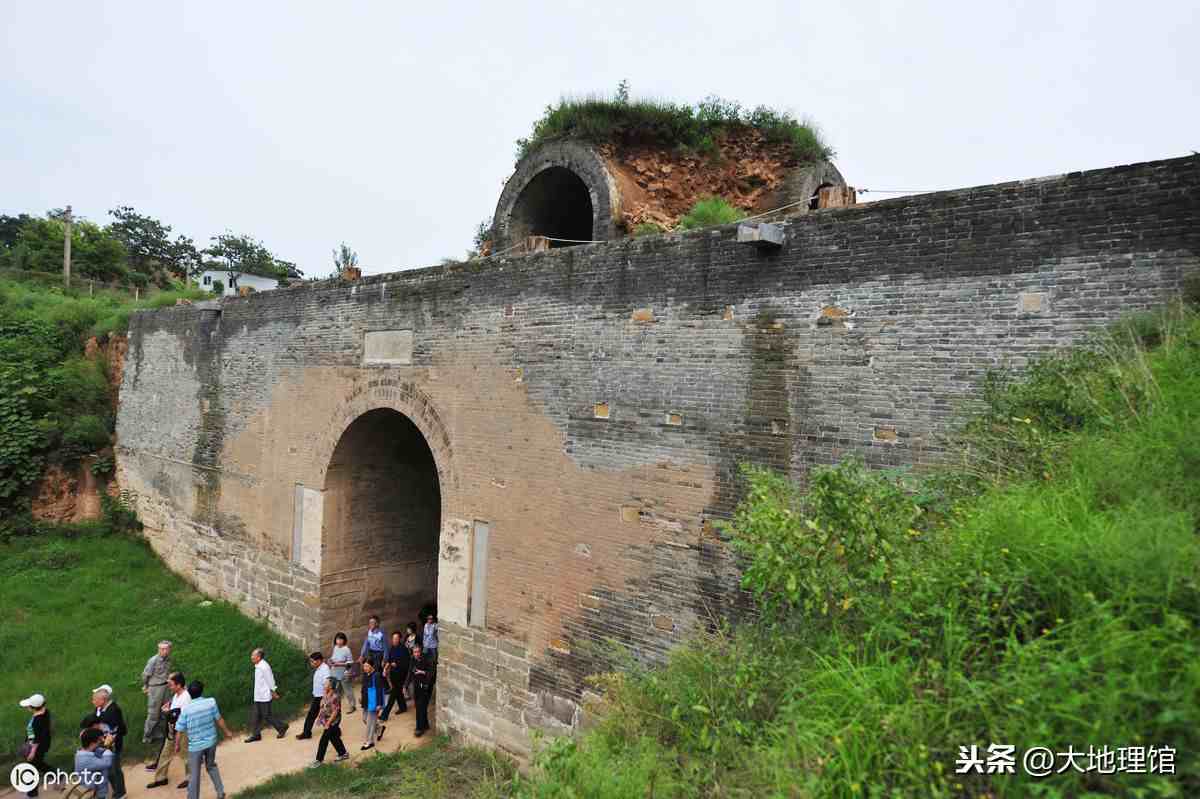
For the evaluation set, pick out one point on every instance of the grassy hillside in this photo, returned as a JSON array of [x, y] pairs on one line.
[[84, 606], [55, 404]]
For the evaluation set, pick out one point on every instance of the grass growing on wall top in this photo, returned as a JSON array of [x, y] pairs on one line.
[[619, 118], [83, 607], [710, 211]]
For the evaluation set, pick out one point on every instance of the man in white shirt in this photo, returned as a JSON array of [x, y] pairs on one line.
[[320, 676], [180, 698], [264, 691]]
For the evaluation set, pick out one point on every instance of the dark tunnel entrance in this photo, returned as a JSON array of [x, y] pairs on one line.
[[557, 204], [382, 521]]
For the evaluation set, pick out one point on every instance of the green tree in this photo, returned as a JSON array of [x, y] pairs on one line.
[[10, 229], [184, 259], [146, 240], [95, 252], [239, 254]]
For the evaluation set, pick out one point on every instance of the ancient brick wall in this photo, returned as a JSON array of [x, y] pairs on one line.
[[588, 409]]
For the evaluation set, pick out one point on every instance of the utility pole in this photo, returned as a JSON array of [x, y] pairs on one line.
[[67, 249]]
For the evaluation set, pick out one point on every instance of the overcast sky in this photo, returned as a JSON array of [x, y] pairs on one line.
[[307, 124]]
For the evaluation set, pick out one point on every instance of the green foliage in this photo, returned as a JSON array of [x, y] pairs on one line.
[[1054, 603], [484, 232], [146, 240], [54, 402], [38, 246], [710, 211], [85, 434], [648, 229], [23, 439], [622, 119], [823, 552], [344, 258], [103, 466], [218, 287], [112, 599], [239, 254]]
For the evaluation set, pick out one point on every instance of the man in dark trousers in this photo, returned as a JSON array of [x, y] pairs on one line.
[[107, 716], [265, 691], [423, 676], [320, 676], [37, 735], [395, 671]]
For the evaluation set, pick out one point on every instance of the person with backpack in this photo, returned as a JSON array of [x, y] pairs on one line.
[[372, 700], [170, 749]]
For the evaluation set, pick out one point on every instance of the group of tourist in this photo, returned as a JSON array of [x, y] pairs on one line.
[[405, 668], [185, 721]]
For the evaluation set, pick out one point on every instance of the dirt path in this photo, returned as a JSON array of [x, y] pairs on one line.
[[243, 765]]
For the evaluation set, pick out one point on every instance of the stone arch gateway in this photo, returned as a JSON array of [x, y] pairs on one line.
[[381, 525], [584, 412]]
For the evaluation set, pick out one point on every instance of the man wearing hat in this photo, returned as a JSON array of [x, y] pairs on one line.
[[154, 686], [109, 718], [37, 736]]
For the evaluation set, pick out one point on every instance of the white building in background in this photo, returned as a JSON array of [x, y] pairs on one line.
[[257, 282]]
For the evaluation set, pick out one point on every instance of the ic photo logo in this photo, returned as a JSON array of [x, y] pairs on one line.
[[24, 777]]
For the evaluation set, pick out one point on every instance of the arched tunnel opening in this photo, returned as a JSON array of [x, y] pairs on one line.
[[556, 204], [382, 522]]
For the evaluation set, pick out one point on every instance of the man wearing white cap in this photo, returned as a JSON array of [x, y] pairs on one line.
[[37, 736], [109, 718]]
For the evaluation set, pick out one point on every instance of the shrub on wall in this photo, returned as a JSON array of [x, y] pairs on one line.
[[710, 211], [619, 118]]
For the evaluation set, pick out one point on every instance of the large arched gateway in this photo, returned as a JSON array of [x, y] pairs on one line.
[[381, 523]]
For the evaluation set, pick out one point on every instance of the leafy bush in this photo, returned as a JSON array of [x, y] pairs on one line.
[[118, 513], [708, 212], [825, 552], [85, 434], [621, 119], [218, 287], [104, 466], [20, 457]]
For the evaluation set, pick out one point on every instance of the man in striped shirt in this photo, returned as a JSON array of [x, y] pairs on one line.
[[198, 724]]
